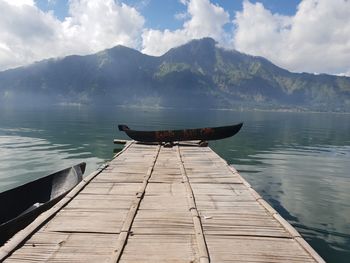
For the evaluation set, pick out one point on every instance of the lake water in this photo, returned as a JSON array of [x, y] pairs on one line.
[[299, 162]]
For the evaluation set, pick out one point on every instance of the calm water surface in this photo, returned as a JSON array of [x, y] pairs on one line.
[[299, 162]]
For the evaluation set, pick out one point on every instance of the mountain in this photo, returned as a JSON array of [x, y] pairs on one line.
[[197, 74]]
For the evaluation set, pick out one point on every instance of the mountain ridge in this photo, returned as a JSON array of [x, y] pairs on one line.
[[197, 74]]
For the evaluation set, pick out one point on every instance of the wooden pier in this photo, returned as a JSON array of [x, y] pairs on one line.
[[155, 204]]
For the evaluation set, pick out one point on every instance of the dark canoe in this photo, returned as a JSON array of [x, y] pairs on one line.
[[21, 205], [202, 134]]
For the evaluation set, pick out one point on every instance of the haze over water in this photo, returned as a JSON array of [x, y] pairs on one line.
[[299, 162]]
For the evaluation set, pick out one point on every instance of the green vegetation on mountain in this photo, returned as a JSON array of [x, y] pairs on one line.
[[197, 74]]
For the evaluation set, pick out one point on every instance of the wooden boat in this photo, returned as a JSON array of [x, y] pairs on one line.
[[202, 134], [21, 205]]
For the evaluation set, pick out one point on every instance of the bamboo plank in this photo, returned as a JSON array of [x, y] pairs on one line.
[[122, 239], [164, 220], [160, 249], [111, 188], [200, 237], [106, 221], [225, 224], [156, 204], [171, 189], [255, 249], [65, 247]]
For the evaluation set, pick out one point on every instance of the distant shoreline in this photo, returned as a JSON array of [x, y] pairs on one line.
[[158, 107]]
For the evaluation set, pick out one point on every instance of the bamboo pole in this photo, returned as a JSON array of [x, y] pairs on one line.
[[202, 246], [125, 230]]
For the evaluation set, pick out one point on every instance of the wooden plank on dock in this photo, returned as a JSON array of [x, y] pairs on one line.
[[157, 204]]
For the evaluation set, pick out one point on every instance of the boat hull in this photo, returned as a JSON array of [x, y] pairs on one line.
[[23, 204], [202, 134]]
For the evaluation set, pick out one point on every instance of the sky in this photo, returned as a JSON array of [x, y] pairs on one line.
[[298, 35]]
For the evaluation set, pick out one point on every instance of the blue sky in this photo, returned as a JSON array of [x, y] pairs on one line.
[[298, 35], [160, 14]]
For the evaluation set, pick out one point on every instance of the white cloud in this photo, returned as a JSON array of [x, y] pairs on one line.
[[20, 2], [91, 26], [24, 38], [94, 25], [206, 20], [315, 39], [181, 16]]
